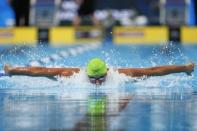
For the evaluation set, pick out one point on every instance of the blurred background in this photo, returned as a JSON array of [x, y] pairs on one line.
[[78, 21], [145, 27]]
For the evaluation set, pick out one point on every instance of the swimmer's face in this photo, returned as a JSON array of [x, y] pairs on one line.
[[98, 81]]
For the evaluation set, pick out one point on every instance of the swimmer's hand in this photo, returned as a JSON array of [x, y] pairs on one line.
[[7, 68], [190, 68]]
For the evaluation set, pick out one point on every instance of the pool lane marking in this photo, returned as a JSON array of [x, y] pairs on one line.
[[64, 54]]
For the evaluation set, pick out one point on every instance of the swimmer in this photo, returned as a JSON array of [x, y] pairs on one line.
[[97, 71]]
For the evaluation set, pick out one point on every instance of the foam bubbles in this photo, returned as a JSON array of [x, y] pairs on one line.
[[78, 79], [113, 79], [164, 85]]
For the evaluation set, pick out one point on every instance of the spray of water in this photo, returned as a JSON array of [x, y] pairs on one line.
[[78, 84]]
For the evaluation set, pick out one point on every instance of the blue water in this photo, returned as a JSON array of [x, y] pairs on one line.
[[164, 103]]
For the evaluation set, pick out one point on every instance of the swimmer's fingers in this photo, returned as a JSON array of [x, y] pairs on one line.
[[7, 68], [191, 65], [190, 68]]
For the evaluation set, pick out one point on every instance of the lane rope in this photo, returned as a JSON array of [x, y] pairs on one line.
[[64, 54]]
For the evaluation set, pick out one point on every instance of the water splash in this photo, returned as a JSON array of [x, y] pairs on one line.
[[79, 83], [114, 80], [165, 86]]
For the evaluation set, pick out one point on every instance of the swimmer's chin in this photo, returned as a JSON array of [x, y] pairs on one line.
[[98, 84]]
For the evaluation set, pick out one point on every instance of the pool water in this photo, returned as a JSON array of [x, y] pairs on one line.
[[164, 103]]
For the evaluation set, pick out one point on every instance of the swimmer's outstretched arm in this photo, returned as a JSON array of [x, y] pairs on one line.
[[157, 71], [40, 71]]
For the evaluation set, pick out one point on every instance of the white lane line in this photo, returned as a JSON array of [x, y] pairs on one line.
[[64, 54]]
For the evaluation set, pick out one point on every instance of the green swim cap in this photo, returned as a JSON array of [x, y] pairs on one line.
[[96, 68]]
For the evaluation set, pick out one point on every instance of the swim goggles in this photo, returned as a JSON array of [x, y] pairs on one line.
[[97, 79]]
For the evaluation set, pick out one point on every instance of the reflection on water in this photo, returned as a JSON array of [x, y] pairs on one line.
[[97, 111], [100, 111]]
